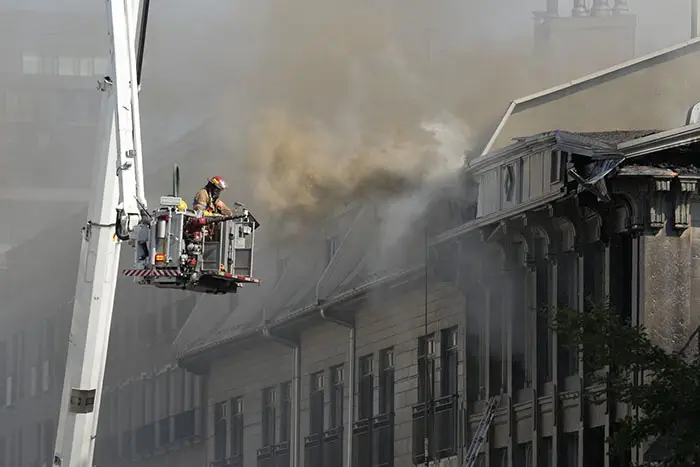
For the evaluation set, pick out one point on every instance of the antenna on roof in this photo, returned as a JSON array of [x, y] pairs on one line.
[[694, 18]]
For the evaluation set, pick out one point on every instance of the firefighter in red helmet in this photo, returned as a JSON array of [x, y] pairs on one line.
[[207, 199]]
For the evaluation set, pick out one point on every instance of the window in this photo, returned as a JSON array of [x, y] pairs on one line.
[[542, 321], [386, 381], [285, 411], [567, 296], [426, 368], [449, 362], [237, 429], [30, 64], [522, 455], [568, 453], [316, 403], [544, 452], [365, 408], [497, 339], [269, 399], [556, 166], [220, 430], [336, 407], [499, 457]]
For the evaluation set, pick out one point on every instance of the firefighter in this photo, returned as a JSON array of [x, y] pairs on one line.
[[207, 199]]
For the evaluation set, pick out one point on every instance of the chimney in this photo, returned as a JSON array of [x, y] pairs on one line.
[[601, 8], [694, 18], [552, 7], [579, 8], [622, 7]]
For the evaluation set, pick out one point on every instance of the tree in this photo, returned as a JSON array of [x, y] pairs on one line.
[[661, 389]]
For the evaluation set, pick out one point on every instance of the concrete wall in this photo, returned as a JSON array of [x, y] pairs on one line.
[[672, 283]]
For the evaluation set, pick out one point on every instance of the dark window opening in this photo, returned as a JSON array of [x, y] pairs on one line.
[[499, 457], [336, 407], [269, 400], [386, 381], [519, 322], [220, 430], [593, 287], [621, 276], [449, 362], [544, 452], [568, 453], [544, 333], [594, 440], [426, 368], [476, 360], [567, 296], [285, 411], [365, 409], [557, 166], [316, 404], [237, 431], [496, 341], [593, 274], [522, 455]]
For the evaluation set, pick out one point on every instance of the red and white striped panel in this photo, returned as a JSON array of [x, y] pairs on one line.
[[248, 279], [150, 273]]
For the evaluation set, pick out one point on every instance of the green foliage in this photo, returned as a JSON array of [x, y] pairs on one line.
[[661, 389]]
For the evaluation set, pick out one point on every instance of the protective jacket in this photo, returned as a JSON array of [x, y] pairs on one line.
[[205, 201]]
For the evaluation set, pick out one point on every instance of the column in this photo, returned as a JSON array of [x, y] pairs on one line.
[[552, 7]]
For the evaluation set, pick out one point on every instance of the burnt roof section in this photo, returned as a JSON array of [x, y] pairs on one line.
[[592, 144]]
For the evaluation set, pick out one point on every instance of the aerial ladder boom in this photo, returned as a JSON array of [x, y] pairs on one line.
[[117, 188]]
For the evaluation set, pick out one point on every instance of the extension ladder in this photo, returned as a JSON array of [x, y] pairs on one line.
[[481, 432]]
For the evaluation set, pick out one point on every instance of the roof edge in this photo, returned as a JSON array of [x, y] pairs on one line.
[[185, 357]]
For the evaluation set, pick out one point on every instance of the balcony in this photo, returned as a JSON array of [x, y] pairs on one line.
[[145, 439], [333, 447], [446, 426], [313, 450], [281, 451], [435, 430], [383, 440], [362, 443], [266, 456]]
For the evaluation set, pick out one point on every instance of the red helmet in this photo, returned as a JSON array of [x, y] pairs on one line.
[[218, 182]]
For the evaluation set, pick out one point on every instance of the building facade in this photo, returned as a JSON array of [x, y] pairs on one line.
[[381, 368]]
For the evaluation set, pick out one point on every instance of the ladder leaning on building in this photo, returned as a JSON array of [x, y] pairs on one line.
[[481, 432]]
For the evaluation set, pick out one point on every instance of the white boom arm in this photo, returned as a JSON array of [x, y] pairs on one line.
[[118, 187]]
